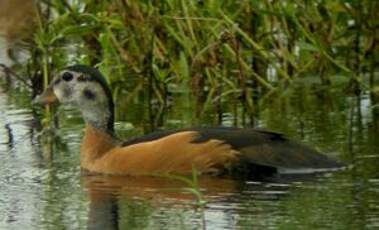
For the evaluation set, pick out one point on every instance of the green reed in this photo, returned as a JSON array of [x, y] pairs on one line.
[[193, 189], [217, 50]]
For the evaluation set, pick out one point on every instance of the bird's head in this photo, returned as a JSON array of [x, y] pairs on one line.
[[83, 87]]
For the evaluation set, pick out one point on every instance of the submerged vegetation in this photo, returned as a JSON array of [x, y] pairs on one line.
[[218, 51]]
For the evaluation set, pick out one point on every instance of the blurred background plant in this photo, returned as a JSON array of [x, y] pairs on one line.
[[222, 55]]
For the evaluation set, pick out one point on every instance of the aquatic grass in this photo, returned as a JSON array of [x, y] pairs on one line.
[[192, 182], [194, 189], [235, 51]]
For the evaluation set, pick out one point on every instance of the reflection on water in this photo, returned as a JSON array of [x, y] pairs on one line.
[[41, 186]]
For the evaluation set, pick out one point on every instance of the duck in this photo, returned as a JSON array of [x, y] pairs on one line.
[[231, 151]]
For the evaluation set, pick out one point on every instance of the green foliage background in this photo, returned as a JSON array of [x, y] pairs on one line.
[[236, 51]]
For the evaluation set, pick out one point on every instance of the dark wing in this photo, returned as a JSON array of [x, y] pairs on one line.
[[267, 148], [204, 134], [149, 137], [258, 147]]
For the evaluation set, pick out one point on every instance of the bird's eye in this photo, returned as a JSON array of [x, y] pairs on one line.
[[67, 76]]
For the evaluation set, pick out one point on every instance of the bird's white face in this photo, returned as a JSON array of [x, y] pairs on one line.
[[83, 91], [78, 89]]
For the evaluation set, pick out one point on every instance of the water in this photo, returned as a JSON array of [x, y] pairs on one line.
[[41, 186]]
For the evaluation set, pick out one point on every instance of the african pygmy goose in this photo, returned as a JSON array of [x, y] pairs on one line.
[[219, 151]]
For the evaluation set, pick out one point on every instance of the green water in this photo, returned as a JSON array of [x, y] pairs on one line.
[[41, 186]]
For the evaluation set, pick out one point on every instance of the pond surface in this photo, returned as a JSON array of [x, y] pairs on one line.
[[41, 186]]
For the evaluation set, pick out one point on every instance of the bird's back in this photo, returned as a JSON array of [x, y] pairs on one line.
[[260, 150]]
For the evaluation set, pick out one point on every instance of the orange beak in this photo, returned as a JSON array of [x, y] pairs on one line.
[[46, 98]]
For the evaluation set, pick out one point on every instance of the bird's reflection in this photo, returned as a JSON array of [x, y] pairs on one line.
[[130, 201], [108, 193]]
